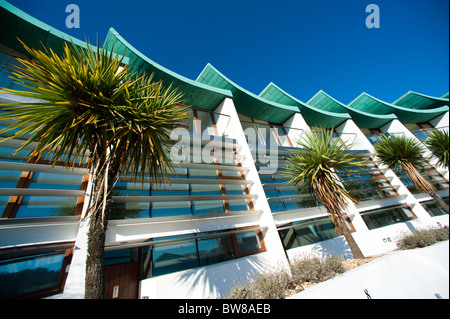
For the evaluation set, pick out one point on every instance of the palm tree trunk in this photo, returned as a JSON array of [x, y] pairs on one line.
[[334, 203], [98, 222], [95, 280], [423, 185], [439, 201], [356, 251], [106, 174]]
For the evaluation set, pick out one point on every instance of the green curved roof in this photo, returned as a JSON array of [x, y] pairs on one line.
[[416, 100], [367, 103], [34, 33], [362, 119], [246, 102], [312, 115], [196, 94]]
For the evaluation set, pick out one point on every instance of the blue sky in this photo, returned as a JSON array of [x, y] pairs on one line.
[[302, 46]]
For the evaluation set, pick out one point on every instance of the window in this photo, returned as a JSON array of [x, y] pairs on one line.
[[174, 256], [33, 272], [387, 216], [249, 242], [307, 232], [171, 254], [433, 209], [215, 250]]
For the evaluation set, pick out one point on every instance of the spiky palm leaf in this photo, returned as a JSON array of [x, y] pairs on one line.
[[319, 158], [407, 153], [438, 143], [314, 166], [87, 103]]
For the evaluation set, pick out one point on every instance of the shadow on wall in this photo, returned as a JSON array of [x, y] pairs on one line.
[[206, 282], [337, 247]]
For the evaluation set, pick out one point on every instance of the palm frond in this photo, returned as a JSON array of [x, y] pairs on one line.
[[315, 164], [394, 150], [438, 144]]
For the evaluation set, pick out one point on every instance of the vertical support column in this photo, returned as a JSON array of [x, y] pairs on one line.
[[295, 126], [75, 282], [271, 238], [352, 135]]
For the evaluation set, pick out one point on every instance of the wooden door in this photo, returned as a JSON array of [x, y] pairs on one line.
[[122, 281]]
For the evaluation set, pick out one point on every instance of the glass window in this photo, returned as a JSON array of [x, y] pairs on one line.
[[307, 232], [168, 209], [130, 210], [114, 257], [171, 190], [433, 209], [9, 179], [202, 173], [385, 217], [215, 250], [171, 257], [289, 238], [131, 189], [248, 242], [43, 206], [7, 153], [204, 123], [238, 205], [42, 180], [205, 189], [207, 207], [276, 205], [31, 274]]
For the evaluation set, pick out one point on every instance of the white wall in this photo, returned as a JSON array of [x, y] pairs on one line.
[[205, 282]]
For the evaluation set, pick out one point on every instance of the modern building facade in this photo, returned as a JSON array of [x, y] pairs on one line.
[[228, 213]]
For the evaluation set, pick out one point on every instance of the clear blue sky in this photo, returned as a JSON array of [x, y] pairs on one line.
[[302, 46]]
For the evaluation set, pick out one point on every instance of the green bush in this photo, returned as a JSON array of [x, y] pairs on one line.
[[423, 238]]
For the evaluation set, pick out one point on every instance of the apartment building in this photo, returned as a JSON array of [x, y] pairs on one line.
[[228, 213]]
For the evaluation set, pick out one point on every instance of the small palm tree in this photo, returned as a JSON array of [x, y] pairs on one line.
[[314, 165], [89, 104], [407, 153], [438, 142]]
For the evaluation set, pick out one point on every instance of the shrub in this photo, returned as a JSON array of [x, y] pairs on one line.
[[424, 237], [267, 285], [241, 291], [314, 269], [275, 283]]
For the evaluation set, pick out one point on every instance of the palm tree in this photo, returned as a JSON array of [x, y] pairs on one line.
[[407, 153], [314, 165], [89, 104], [438, 142]]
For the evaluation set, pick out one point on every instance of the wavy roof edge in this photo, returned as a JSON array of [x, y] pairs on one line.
[[312, 114], [34, 32], [361, 118], [406, 115], [188, 86], [285, 111], [403, 100]]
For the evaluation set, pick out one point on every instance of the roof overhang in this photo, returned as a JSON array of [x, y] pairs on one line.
[[414, 100], [367, 103], [313, 116], [246, 102]]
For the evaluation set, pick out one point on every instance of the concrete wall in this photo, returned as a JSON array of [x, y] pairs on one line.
[[421, 273], [206, 282]]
